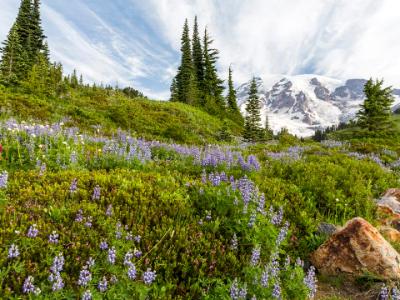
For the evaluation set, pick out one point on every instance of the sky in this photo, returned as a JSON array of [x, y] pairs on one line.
[[136, 42]]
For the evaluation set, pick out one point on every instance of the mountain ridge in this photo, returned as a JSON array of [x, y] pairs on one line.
[[305, 103]]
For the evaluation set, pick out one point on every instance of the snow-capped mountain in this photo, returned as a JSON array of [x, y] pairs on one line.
[[304, 103]]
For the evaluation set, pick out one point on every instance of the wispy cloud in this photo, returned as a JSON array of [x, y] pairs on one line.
[[137, 42]]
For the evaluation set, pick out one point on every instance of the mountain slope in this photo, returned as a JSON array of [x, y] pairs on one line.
[[304, 103], [87, 108]]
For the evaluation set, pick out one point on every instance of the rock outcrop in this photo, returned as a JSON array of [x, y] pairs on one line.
[[355, 249], [390, 199]]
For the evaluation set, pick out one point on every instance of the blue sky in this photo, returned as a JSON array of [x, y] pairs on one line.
[[136, 42]]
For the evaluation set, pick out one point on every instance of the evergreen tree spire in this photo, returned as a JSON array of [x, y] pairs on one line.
[[374, 115], [252, 127], [24, 25], [198, 62], [185, 79], [231, 99], [38, 44], [13, 65], [213, 85]]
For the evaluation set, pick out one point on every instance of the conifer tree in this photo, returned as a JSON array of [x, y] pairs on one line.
[[185, 80], [13, 65], [375, 112], [24, 23], [252, 127], [197, 53], [37, 39], [268, 134], [232, 100], [213, 85], [174, 90]]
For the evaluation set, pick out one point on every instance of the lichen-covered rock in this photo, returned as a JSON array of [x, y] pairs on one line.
[[390, 199], [391, 234], [326, 228], [355, 249]]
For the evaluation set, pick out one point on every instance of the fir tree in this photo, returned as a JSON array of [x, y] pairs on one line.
[[185, 79], [268, 134], [198, 61], [24, 25], [375, 112], [13, 65], [37, 40], [213, 85], [174, 90], [252, 127], [232, 100]]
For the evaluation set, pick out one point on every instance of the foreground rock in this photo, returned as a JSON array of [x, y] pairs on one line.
[[391, 199], [356, 249], [390, 233]]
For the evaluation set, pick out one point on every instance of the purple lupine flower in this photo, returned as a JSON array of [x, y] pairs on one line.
[[72, 158], [113, 279], [57, 281], [252, 220], [28, 286], [234, 242], [299, 262], [310, 281], [118, 232], [74, 186], [90, 262], [287, 262], [204, 177], [84, 276], [96, 193], [79, 216], [102, 286], [137, 238], [33, 231], [276, 292], [261, 204], [128, 258], [89, 221], [58, 263], [42, 169], [13, 251], [87, 295], [384, 293], [395, 294], [278, 217], [243, 292], [3, 179], [252, 161], [129, 236], [255, 255], [103, 245], [137, 253], [132, 272], [265, 278], [109, 211], [149, 276], [234, 290], [53, 237], [112, 255], [274, 266], [282, 234]]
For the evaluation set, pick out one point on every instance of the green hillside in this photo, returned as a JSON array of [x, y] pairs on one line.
[[111, 110]]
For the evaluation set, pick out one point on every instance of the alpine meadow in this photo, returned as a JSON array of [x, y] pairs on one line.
[[282, 185]]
